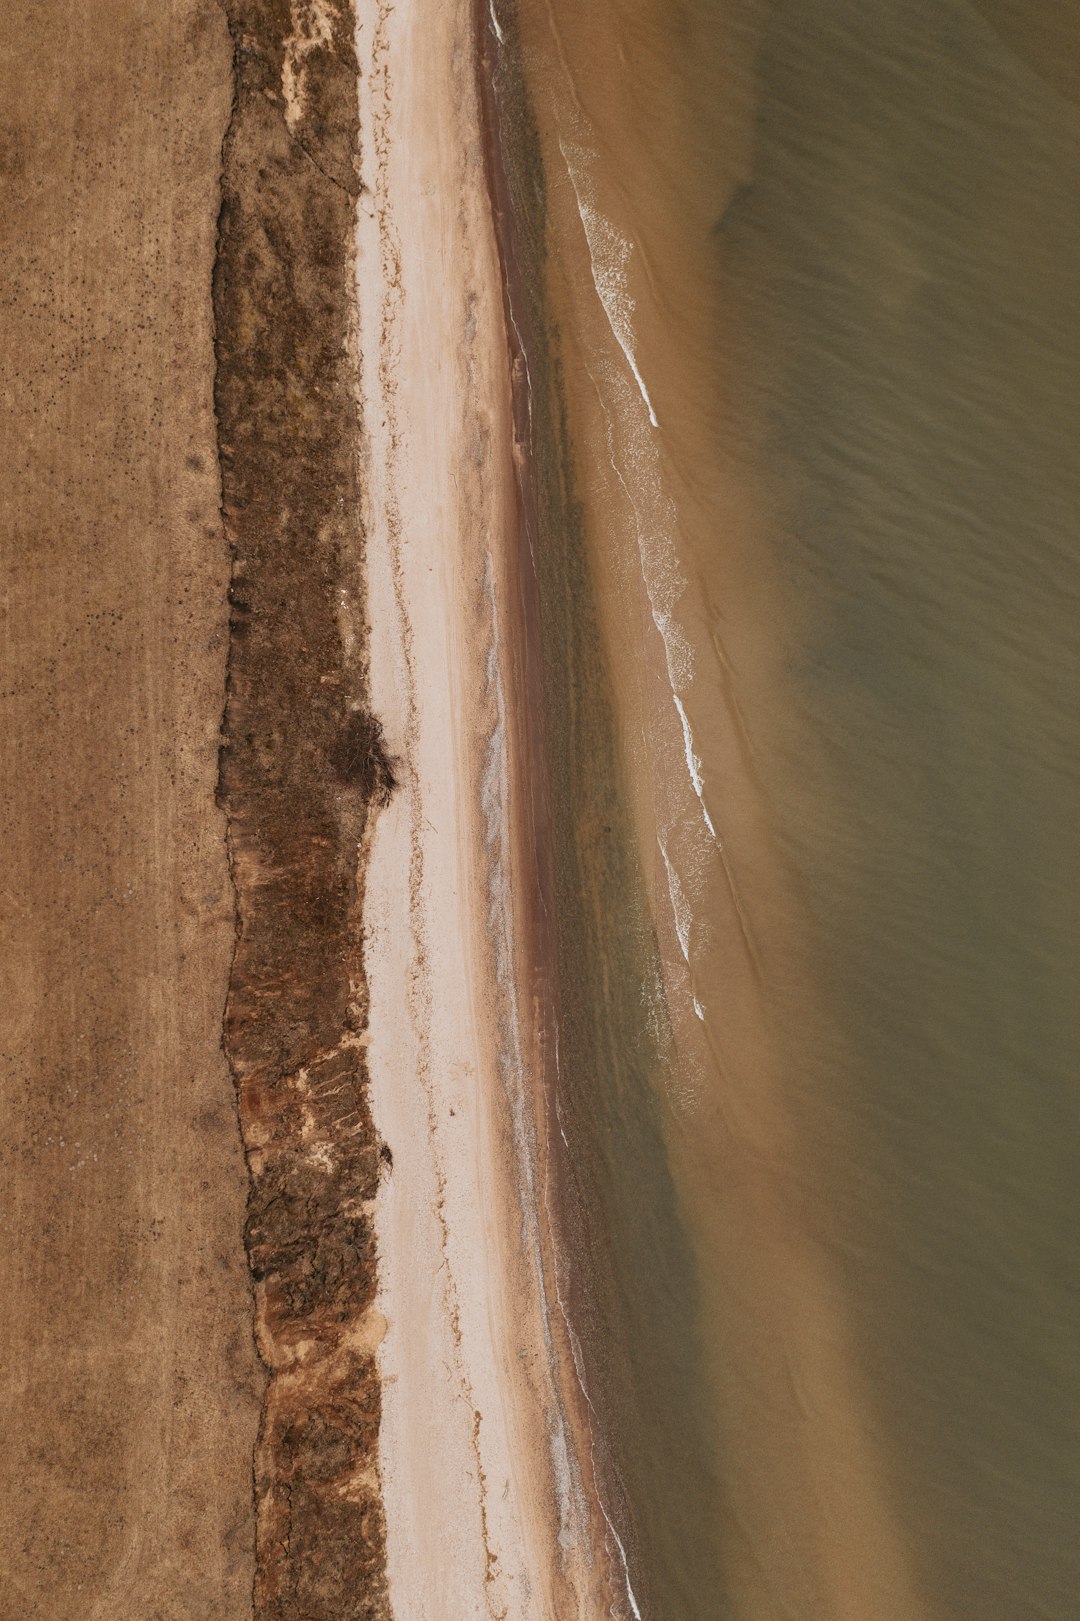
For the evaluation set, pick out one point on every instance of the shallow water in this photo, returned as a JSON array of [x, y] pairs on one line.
[[817, 350]]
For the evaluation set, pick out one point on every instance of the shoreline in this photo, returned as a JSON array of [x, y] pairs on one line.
[[510, 226], [656, 496], [486, 1484]]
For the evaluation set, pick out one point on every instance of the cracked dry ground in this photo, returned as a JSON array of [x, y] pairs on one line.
[[190, 1407]]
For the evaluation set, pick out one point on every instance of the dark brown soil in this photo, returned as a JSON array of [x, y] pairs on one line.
[[302, 766]]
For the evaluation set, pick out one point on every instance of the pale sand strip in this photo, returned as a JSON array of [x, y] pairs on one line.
[[485, 1505]]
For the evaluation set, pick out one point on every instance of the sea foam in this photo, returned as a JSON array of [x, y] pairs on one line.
[[609, 255], [634, 456]]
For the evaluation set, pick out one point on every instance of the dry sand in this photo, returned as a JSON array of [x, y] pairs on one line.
[[131, 1389], [489, 1508]]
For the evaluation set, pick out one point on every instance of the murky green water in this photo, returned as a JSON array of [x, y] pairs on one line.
[[908, 264], [897, 321]]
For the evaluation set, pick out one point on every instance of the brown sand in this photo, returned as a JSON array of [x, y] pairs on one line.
[[131, 1386]]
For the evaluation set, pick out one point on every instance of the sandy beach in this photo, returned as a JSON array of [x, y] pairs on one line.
[[489, 1503]]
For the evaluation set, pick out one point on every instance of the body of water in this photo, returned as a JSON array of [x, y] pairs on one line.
[[802, 325]]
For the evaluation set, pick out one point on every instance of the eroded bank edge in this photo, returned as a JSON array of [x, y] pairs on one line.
[[302, 772]]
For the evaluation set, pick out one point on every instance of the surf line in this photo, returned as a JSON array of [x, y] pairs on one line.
[[609, 277], [608, 269], [522, 403]]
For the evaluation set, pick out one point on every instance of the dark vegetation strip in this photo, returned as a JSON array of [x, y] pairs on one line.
[[302, 771]]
